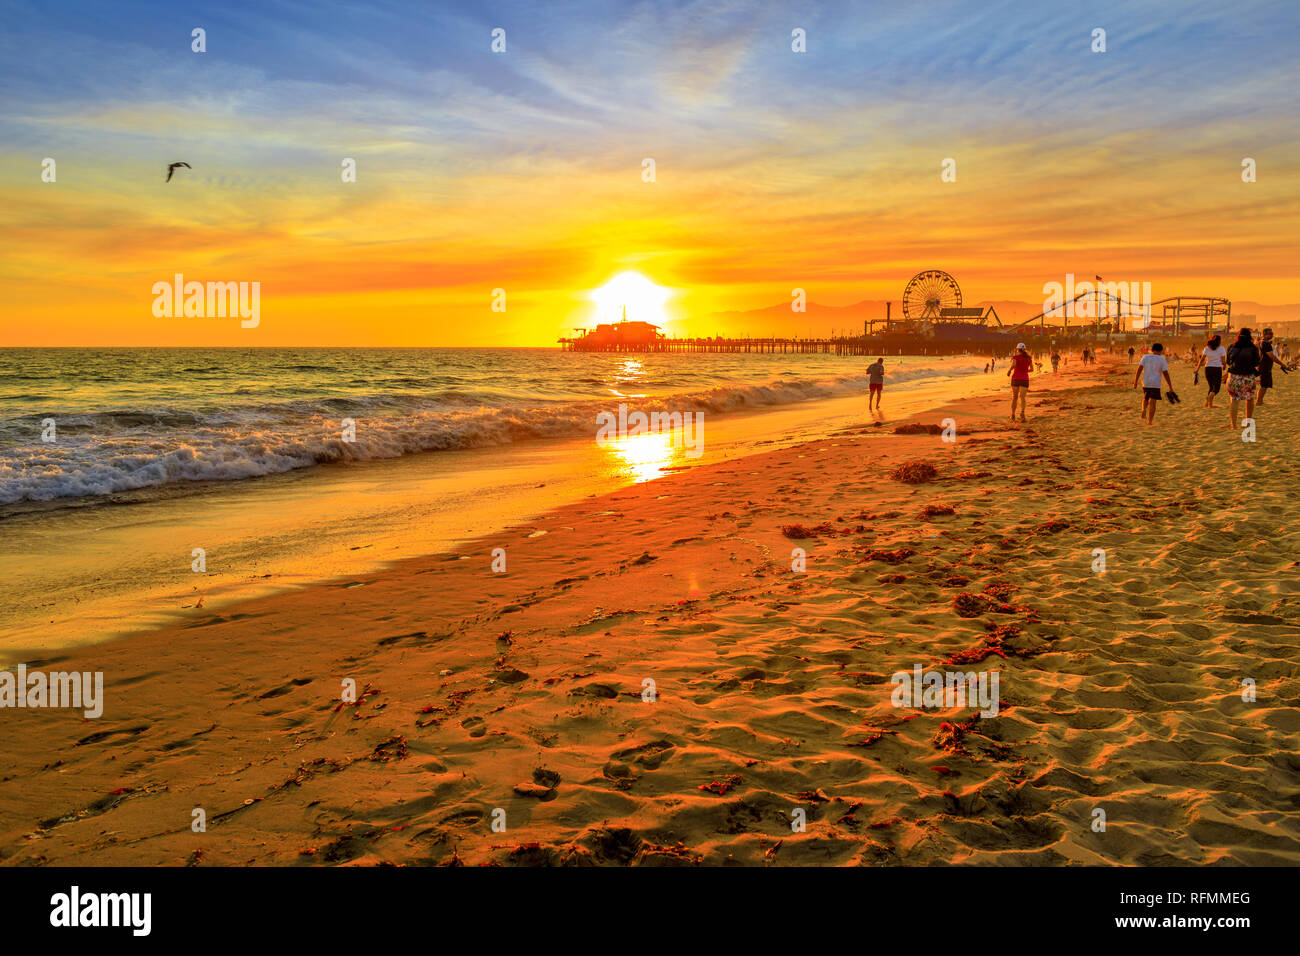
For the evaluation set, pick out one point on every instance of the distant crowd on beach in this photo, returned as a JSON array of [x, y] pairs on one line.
[[1248, 366]]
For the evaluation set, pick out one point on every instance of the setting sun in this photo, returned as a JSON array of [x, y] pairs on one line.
[[643, 299]]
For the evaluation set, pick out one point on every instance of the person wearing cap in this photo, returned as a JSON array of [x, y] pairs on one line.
[[1153, 366], [1021, 363]]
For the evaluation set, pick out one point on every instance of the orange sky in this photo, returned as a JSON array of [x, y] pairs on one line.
[[523, 172]]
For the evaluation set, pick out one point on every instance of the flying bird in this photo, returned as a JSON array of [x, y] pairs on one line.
[[171, 169]]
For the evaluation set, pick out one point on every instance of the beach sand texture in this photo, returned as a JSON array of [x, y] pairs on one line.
[[522, 692]]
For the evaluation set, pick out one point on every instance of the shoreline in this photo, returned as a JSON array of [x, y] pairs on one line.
[[523, 691], [287, 530]]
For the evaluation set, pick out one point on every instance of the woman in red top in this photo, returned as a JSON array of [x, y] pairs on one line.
[[1021, 363]]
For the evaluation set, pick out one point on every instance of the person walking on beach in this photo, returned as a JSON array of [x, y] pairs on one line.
[[875, 383], [1056, 361], [1243, 375], [1130, 355], [1267, 359], [1150, 370], [1021, 364], [1213, 357]]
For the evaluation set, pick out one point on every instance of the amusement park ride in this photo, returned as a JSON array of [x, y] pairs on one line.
[[932, 301]]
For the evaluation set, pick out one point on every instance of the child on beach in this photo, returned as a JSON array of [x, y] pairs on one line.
[[1213, 356], [875, 383], [1150, 370], [1021, 363]]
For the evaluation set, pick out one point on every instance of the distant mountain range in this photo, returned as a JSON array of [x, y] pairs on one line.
[[820, 320]]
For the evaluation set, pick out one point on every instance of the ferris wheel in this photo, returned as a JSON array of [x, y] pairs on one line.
[[928, 293]]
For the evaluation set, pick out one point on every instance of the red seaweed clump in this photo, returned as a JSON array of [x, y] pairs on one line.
[[1000, 634], [974, 655], [969, 605], [994, 643], [394, 748], [897, 556], [873, 736], [916, 428], [931, 511], [803, 531], [722, 786], [951, 738], [914, 472]]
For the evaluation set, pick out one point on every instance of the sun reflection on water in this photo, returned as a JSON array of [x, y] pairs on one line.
[[628, 375]]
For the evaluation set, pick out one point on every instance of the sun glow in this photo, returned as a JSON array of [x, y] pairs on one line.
[[643, 299]]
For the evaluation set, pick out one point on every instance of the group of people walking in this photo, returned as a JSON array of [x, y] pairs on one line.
[[1247, 365], [1249, 368]]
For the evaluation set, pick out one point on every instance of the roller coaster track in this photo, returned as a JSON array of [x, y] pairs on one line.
[[1180, 309]]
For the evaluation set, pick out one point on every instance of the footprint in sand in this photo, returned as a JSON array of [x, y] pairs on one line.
[[130, 732], [284, 688], [649, 755]]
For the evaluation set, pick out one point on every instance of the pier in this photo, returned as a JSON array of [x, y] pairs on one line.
[[935, 322], [776, 346]]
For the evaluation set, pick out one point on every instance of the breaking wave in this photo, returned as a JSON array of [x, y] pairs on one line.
[[126, 449]]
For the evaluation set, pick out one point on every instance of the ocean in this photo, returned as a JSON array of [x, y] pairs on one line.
[[134, 419]]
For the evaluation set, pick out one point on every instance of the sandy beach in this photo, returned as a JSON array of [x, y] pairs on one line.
[[649, 681]]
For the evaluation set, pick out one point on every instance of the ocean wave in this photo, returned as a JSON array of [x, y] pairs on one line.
[[134, 448]]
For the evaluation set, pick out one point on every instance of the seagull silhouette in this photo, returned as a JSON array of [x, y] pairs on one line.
[[171, 169]]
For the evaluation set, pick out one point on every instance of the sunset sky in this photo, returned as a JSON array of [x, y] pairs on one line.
[[523, 170]]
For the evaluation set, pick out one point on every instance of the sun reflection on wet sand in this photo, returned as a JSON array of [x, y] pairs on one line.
[[647, 456]]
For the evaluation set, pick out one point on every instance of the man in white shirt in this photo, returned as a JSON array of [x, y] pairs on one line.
[[1150, 370]]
